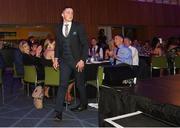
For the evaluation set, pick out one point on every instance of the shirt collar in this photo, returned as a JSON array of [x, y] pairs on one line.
[[95, 46], [69, 23], [120, 46]]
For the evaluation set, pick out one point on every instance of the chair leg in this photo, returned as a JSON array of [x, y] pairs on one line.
[[66, 105], [12, 86], [75, 100], [54, 98], [28, 89], [135, 80], [151, 71], [98, 94], [2, 91], [174, 71], [23, 84]]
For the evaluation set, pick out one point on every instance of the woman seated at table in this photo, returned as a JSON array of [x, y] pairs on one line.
[[28, 59], [156, 48], [109, 52], [173, 50], [48, 55]]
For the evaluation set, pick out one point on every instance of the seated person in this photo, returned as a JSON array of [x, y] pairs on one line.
[[173, 50], [109, 50], [156, 47], [28, 59], [48, 58], [94, 50], [135, 56], [33, 48], [48, 54], [157, 51], [18, 61], [122, 54]]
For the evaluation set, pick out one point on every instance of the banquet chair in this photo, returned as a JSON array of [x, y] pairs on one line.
[[159, 63], [30, 76], [16, 75], [98, 82], [176, 63], [52, 79]]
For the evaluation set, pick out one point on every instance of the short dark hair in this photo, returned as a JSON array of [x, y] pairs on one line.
[[66, 7], [93, 38], [119, 35], [154, 42], [126, 37]]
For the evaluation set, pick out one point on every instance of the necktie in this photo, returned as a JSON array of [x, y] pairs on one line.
[[66, 30], [116, 55], [94, 52]]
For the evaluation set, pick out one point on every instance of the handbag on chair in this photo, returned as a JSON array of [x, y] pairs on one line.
[[38, 97]]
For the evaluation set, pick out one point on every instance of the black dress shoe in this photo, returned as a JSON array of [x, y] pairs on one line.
[[79, 108], [64, 104], [58, 116], [46, 97]]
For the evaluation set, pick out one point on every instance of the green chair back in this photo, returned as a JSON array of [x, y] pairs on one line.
[[99, 78], [100, 75], [30, 74], [159, 62], [51, 76], [177, 62], [15, 74]]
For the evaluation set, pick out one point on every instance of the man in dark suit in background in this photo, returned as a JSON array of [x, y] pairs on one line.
[[72, 51]]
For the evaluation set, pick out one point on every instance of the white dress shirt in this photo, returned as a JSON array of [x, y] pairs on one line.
[[96, 48], [135, 56], [69, 27]]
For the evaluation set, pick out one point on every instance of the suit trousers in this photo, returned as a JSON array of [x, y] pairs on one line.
[[66, 70]]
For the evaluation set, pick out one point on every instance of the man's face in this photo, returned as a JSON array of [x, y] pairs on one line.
[[26, 48], [118, 40], [127, 42], [67, 15], [93, 42]]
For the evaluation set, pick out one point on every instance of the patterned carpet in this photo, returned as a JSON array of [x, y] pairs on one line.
[[18, 110]]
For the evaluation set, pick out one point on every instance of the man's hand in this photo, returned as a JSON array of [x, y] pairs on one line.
[[55, 63], [80, 66]]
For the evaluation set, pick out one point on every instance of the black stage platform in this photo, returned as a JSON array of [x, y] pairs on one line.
[[157, 97]]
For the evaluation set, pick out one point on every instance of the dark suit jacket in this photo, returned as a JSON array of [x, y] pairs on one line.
[[1, 61], [78, 42], [18, 62]]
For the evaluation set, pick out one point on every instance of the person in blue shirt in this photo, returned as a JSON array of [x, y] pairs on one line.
[[122, 54]]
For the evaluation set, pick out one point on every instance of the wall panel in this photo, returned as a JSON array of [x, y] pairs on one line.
[[90, 12]]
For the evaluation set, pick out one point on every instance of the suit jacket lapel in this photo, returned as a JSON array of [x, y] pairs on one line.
[[60, 29], [71, 30]]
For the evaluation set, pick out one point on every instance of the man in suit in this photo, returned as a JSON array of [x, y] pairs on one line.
[[72, 51]]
